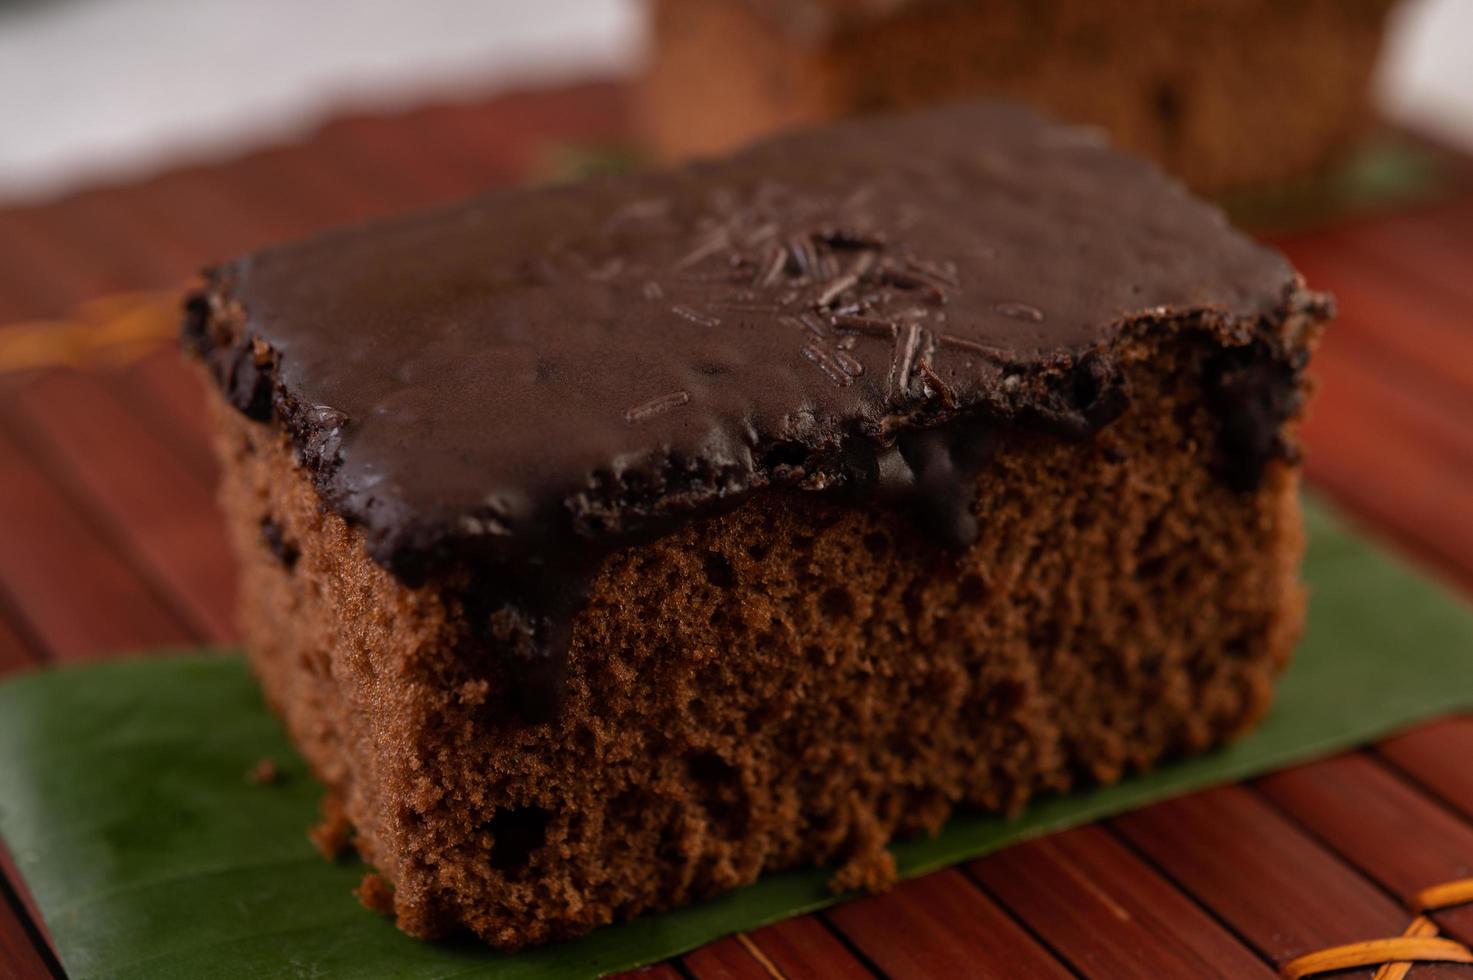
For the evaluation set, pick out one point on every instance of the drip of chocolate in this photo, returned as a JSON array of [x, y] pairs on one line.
[[528, 379]]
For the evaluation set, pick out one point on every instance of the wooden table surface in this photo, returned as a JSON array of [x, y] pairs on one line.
[[109, 541]]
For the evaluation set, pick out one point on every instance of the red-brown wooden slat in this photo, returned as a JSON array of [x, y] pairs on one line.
[[156, 508], [725, 959], [477, 164], [162, 390], [24, 904], [15, 652], [1418, 328], [344, 199], [117, 234], [77, 595], [660, 971], [379, 179], [161, 513], [506, 138], [375, 151], [89, 245], [50, 235], [1433, 419], [162, 252], [1364, 450], [941, 926], [36, 278], [1436, 756], [588, 113], [202, 211], [24, 950], [63, 262], [1259, 874], [1108, 913], [805, 949], [1429, 247], [300, 193], [1422, 465], [794, 949], [1381, 823], [21, 951], [1438, 395], [50, 260]]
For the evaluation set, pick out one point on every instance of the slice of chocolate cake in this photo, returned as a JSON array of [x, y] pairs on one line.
[[607, 545], [1223, 93]]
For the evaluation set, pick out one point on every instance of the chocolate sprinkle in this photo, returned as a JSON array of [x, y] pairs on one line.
[[1020, 311], [703, 319], [656, 406]]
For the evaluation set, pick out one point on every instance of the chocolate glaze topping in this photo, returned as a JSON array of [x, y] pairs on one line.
[[530, 377]]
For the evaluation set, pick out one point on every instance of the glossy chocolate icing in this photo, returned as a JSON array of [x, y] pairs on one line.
[[531, 376]]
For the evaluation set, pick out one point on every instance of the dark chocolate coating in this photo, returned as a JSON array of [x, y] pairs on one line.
[[580, 361]]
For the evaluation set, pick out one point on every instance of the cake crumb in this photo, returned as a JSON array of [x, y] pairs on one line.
[[375, 894], [870, 871], [333, 834], [264, 773], [870, 866]]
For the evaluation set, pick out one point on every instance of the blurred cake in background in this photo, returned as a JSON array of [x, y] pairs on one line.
[[1225, 94]]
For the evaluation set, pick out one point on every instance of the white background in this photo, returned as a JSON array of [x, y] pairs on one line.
[[108, 89]]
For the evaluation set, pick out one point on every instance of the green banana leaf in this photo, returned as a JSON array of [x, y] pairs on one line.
[[125, 800]]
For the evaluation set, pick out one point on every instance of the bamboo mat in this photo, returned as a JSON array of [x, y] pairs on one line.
[[109, 541]]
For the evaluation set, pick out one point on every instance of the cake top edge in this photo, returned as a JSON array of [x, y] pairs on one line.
[[592, 360]]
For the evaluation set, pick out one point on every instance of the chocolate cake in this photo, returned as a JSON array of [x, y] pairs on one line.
[[1222, 93], [606, 545]]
